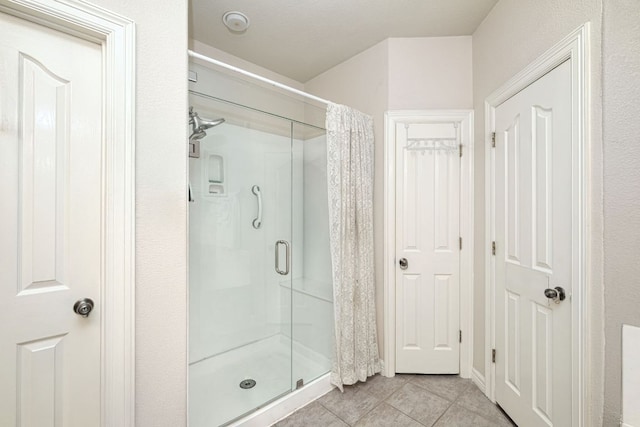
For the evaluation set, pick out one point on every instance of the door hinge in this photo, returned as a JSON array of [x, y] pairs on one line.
[[460, 241], [460, 336], [493, 355], [460, 146], [493, 248], [493, 139]]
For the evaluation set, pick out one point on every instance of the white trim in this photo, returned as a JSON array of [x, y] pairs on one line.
[[116, 35], [478, 379], [287, 405], [465, 118], [575, 48], [255, 76]]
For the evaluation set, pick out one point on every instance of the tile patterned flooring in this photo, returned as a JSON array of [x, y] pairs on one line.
[[402, 401]]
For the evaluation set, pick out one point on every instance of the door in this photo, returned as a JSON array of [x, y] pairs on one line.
[[427, 248], [50, 226], [533, 238]]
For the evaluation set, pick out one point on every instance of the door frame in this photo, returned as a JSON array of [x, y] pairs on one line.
[[574, 48], [465, 119], [116, 35]]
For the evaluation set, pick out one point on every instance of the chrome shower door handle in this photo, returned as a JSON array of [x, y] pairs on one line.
[[287, 255], [257, 223]]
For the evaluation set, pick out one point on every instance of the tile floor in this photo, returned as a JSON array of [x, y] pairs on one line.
[[402, 401]]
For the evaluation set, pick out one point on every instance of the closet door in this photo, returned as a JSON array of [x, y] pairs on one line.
[[427, 248], [534, 219]]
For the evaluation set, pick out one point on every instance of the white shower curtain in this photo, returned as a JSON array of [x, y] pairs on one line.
[[350, 185]]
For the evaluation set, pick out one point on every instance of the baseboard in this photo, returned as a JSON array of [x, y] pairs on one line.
[[478, 379], [383, 370], [290, 403], [623, 424]]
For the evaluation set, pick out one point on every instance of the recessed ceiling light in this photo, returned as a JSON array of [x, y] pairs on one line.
[[235, 21]]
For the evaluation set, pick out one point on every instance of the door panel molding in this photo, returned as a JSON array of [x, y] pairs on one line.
[[117, 37], [574, 48], [465, 119]]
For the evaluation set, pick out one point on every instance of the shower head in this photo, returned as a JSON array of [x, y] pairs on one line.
[[198, 131], [201, 124]]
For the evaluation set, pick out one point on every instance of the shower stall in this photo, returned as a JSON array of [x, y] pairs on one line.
[[260, 291]]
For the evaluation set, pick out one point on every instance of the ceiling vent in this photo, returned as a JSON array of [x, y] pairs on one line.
[[236, 22]]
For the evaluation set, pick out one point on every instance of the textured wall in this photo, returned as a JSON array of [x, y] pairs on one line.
[[621, 135], [430, 73], [161, 209], [513, 35]]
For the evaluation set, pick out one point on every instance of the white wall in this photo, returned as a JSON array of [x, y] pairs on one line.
[[621, 109], [161, 209], [430, 73], [398, 73], [514, 34]]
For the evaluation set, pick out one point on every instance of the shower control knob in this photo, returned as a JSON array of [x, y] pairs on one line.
[[83, 307]]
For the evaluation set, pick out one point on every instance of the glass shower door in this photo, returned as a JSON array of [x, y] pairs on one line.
[[240, 263], [312, 284]]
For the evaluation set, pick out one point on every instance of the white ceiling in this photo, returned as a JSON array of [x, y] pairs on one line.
[[303, 38]]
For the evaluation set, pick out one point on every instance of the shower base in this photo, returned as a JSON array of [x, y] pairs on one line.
[[215, 397]]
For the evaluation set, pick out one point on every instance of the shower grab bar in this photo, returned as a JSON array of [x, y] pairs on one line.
[[257, 223], [286, 245]]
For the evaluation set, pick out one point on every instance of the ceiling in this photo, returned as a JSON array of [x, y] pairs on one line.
[[303, 38]]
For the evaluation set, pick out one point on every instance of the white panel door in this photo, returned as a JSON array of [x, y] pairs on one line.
[[427, 236], [50, 226], [533, 229]]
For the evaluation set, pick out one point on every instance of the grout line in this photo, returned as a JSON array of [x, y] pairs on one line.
[[438, 394], [408, 381], [336, 415], [399, 410], [373, 409], [450, 404], [488, 418], [405, 414], [409, 415]]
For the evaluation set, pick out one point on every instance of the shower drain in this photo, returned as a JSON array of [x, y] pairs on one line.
[[247, 383]]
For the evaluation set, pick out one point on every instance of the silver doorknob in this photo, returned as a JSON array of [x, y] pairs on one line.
[[556, 294], [404, 264], [83, 307]]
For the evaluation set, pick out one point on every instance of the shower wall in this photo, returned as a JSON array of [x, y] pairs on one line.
[[234, 291]]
